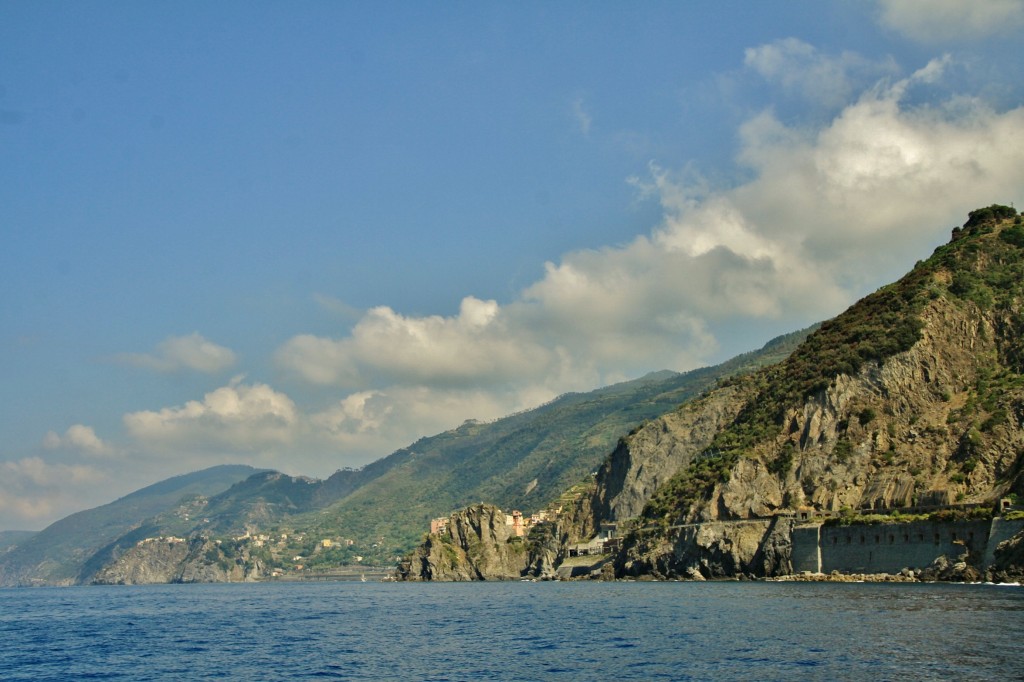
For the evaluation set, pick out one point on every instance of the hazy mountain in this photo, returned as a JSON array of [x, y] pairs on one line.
[[10, 538]]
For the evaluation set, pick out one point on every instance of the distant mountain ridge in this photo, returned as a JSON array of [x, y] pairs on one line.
[[11, 538]]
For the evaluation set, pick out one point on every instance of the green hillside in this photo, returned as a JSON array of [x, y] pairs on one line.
[[524, 461], [380, 512]]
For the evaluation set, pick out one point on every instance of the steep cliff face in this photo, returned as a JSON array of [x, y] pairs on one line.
[[913, 397], [705, 551], [177, 560], [901, 433], [653, 453]]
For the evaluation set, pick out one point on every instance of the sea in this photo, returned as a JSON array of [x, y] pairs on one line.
[[514, 631]]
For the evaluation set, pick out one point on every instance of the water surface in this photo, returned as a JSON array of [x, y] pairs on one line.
[[514, 631]]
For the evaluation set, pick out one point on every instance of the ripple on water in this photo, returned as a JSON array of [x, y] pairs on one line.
[[512, 631]]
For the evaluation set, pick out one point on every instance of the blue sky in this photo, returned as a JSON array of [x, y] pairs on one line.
[[303, 236]]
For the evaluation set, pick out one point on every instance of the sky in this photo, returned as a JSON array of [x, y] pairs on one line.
[[301, 236]]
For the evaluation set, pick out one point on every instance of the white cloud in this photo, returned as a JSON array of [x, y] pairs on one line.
[[384, 420], [800, 68], [192, 352], [932, 21], [79, 438], [472, 347], [862, 195], [318, 360], [265, 427], [237, 417], [828, 214]]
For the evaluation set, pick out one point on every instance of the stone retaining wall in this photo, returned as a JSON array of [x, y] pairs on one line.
[[891, 547]]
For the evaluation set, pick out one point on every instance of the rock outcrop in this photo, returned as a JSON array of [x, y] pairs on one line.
[[177, 560], [711, 550], [654, 452], [1008, 564], [959, 569], [479, 544]]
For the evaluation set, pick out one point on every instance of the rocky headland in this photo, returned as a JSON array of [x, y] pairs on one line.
[[178, 560], [910, 403]]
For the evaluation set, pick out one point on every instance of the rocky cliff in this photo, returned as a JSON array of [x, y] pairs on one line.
[[479, 544], [654, 452], [710, 550], [1008, 564], [912, 397]]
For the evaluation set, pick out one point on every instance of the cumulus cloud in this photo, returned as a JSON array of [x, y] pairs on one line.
[[191, 352], [79, 438], [875, 182], [367, 420], [828, 214], [825, 212], [236, 418], [931, 21], [464, 349]]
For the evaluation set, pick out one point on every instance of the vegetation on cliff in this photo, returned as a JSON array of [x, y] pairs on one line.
[[970, 292]]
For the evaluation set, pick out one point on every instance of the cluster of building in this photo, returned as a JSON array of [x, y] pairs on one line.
[[257, 540], [520, 525], [169, 539]]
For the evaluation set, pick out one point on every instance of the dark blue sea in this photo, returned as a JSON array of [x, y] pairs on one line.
[[514, 631]]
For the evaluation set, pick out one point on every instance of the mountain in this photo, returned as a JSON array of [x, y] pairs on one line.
[[372, 514], [57, 554], [890, 441], [908, 408], [523, 461], [911, 399]]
